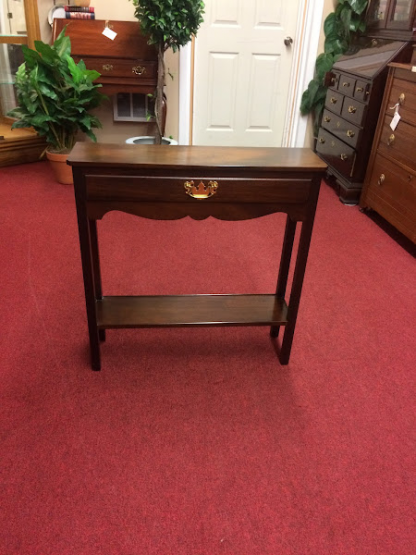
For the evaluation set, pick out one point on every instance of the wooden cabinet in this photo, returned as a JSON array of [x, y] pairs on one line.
[[392, 18], [390, 182], [351, 110]]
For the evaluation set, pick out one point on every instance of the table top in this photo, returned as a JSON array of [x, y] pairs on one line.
[[196, 157]]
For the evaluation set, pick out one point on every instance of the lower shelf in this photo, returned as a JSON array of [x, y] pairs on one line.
[[190, 310]]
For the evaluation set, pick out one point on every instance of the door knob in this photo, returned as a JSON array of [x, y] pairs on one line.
[[288, 41]]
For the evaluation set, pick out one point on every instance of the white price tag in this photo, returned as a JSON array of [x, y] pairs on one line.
[[109, 33], [395, 121]]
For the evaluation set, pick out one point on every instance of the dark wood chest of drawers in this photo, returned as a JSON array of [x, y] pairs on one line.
[[351, 111], [390, 182]]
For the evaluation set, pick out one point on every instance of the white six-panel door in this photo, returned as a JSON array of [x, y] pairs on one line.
[[242, 72]]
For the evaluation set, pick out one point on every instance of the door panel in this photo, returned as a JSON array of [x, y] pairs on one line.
[[242, 72]]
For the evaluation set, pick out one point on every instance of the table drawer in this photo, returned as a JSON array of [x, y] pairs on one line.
[[339, 155], [135, 69], [400, 143], [334, 101], [342, 129], [196, 189], [353, 111]]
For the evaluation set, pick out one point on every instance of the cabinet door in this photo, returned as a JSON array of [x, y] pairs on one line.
[[377, 14], [401, 14]]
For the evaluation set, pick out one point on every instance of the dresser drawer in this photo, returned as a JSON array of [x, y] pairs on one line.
[[399, 144], [334, 101], [403, 94], [196, 189], [393, 189], [346, 84], [336, 152], [342, 129], [353, 111], [362, 90], [134, 69]]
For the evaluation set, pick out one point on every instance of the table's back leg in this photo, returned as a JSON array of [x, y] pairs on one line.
[[286, 256], [96, 267]]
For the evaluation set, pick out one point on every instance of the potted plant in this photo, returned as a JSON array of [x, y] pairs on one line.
[[54, 97], [168, 24]]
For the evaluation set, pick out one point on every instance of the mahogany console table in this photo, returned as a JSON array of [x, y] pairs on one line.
[[165, 182]]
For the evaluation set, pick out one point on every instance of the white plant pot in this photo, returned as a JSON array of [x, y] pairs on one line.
[[149, 140]]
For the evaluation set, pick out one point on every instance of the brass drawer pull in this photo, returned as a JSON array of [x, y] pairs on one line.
[[333, 100], [346, 84], [402, 98], [359, 89], [327, 119], [202, 191], [381, 179], [107, 67], [352, 109], [343, 157], [391, 139], [138, 70], [350, 133], [321, 140]]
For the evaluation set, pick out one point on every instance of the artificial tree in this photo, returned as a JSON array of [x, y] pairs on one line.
[[341, 27], [167, 24]]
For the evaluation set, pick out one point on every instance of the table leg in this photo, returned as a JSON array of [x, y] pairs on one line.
[[96, 267], [298, 276], [87, 258], [284, 265]]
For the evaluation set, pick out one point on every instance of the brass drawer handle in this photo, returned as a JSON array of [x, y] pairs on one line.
[[346, 84], [402, 98], [138, 70], [381, 179], [321, 140], [333, 100], [391, 139], [343, 157], [202, 191], [327, 119], [107, 67], [350, 133], [359, 89], [352, 109]]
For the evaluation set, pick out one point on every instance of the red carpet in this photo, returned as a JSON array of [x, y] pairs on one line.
[[197, 442]]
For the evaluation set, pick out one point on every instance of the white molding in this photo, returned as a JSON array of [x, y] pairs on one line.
[[185, 69], [304, 60], [308, 30]]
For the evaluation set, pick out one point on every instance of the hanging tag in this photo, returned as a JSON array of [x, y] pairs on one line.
[[109, 33], [395, 121]]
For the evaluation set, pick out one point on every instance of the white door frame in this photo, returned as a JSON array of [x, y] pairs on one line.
[[308, 31]]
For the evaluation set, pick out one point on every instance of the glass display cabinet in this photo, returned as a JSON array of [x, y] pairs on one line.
[[392, 18], [19, 24]]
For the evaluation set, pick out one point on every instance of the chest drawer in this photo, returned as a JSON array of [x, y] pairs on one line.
[[395, 188], [334, 101], [196, 189], [133, 69], [402, 97], [342, 129], [336, 152], [399, 144], [353, 111], [346, 84], [362, 90]]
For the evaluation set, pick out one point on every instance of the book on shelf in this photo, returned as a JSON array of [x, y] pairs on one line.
[[83, 9], [79, 15]]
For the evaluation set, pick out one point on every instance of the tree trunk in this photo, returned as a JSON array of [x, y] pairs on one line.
[[159, 95]]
